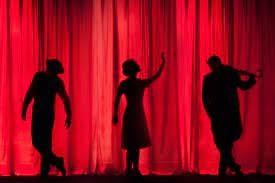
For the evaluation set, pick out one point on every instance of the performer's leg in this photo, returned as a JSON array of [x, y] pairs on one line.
[[45, 166], [231, 162], [39, 146], [128, 161], [45, 162], [136, 159], [220, 144], [222, 164], [58, 162], [226, 154], [133, 161], [229, 156]]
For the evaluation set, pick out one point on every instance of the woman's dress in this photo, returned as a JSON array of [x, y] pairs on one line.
[[135, 134]]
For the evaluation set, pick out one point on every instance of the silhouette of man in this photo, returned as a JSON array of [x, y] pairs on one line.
[[220, 99], [43, 89]]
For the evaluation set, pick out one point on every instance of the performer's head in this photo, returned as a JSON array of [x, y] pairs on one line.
[[214, 62], [54, 66], [130, 68]]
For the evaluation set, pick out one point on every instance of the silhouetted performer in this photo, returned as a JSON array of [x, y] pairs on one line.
[[43, 89], [220, 99], [135, 133]]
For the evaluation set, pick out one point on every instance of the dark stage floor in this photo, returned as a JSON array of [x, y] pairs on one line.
[[145, 179]]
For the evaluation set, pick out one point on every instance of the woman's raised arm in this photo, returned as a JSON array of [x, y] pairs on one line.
[[158, 73]]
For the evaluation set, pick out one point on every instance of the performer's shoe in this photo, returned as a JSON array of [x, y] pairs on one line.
[[222, 174], [236, 168], [45, 169], [137, 173], [44, 175], [129, 172], [222, 170], [60, 166]]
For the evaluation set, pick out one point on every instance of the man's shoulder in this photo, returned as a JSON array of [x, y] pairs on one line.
[[208, 76], [59, 80], [39, 74], [228, 68]]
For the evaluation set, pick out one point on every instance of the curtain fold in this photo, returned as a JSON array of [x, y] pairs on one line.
[[92, 38]]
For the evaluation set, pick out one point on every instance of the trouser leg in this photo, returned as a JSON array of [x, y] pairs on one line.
[[222, 163], [49, 158], [45, 159], [44, 166], [231, 161], [42, 142], [226, 158]]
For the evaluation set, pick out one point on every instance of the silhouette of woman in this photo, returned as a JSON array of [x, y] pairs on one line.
[[135, 133]]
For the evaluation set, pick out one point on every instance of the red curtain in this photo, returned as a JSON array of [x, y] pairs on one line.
[[93, 37]]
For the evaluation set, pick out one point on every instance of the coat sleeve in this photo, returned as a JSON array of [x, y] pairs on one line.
[[206, 98], [245, 84], [30, 93]]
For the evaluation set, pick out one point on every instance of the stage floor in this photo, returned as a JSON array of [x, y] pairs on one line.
[[145, 179]]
